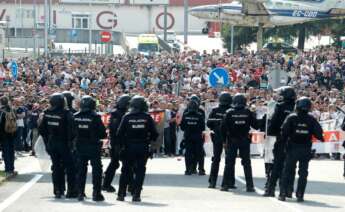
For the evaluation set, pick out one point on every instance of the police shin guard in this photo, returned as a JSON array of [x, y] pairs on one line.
[[249, 178], [268, 171], [136, 195]]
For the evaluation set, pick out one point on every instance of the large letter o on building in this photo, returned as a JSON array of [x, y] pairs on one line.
[[169, 15]]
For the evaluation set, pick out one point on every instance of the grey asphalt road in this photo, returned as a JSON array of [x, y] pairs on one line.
[[167, 189]]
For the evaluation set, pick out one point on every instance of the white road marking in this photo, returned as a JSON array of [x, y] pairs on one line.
[[261, 192], [15, 196]]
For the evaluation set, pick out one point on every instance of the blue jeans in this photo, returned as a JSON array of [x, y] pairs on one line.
[[8, 154]]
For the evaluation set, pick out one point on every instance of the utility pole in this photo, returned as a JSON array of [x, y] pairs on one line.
[[46, 28], [185, 31], [34, 31], [90, 29], [15, 19], [232, 39], [165, 22]]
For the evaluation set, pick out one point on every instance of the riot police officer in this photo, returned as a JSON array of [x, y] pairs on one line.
[[56, 128], [69, 106], [115, 119], [193, 124], [235, 134], [69, 99], [89, 131], [196, 163], [285, 107], [297, 132], [136, 131], [214, 122]]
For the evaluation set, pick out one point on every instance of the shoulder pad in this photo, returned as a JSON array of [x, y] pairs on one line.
[[292, 115], [77, 113], [230, 110]]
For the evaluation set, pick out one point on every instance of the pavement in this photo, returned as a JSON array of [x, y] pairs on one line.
[[167, 189]]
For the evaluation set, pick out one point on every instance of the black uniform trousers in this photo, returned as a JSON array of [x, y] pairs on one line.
[[302, 155], [279, 154], [194, 153], [90, 153], [133, 163], [62, 159], [243, 146], [217, 153], [113, 165]]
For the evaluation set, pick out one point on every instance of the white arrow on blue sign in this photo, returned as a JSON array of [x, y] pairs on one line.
[[219, 77]]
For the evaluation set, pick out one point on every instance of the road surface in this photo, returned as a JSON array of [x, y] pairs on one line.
[[167, 189]]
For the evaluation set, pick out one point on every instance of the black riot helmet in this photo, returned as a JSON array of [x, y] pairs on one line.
[[138, 104], [239, 101], [287, 93], [225, 99], [57, 101], [123, 102], [303, 105], [87, 103], [192, 106], [69, 98], [195, 98]]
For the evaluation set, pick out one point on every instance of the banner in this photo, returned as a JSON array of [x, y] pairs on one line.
[[333, 142], [159, 117]]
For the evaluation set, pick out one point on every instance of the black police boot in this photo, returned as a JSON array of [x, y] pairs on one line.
[[187, 172], [71, 194], [269, 193], [250, 189], [97, 196], [224, 188], [232, 187], [58, 194], [108, 188], [299, 197], [120, 198], [289, 195], [202, 173], [282, 197], [81, 197], [212, 183], [136, 196]]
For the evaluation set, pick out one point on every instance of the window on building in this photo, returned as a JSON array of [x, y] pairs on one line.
[[80, 21]]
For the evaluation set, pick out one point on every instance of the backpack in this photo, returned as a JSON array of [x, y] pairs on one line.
[[10, 122]]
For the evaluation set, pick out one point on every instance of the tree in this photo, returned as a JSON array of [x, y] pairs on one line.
[[247, 35]]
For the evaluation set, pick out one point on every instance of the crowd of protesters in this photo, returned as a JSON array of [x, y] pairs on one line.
[[167, 81]]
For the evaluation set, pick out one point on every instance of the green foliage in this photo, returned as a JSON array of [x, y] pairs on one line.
[[247, 35]]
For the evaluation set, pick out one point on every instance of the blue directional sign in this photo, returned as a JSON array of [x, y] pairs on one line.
[[219, 77], [14, 67]]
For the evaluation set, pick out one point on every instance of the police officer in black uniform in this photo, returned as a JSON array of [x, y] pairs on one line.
[[297, 132], [196, 163], [136, 131], [235, 134], [56, 128], [284, 108], [89, 131], [69, 100], [214, 122], [115, 119], [193, 124]]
